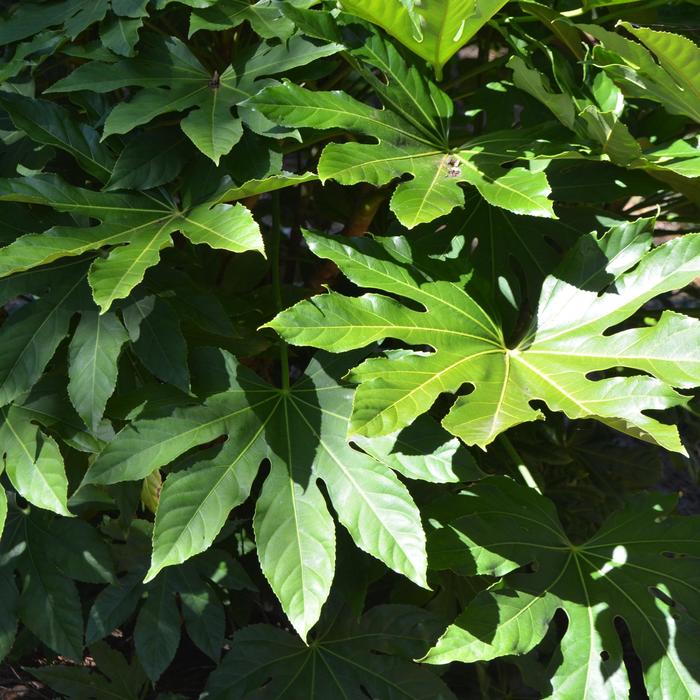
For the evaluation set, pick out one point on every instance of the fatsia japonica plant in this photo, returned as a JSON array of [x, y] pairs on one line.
[[349, 349]]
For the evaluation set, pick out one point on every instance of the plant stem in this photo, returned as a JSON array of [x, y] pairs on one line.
[[525, 473], [276, 231]]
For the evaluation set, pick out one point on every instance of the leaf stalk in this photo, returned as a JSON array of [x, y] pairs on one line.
[[276, 231]]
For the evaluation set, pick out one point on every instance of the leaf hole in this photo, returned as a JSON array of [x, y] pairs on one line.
[[660, 595], [630, 659], [673, 555], [604, 655], [532, 568], [554, 245]]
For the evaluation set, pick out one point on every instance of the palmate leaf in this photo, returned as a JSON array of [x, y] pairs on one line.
[[179, 595], [267, 663], [119, 20], [157, 629], [412, 138], [137, 225], [116, 678], [173, 80], [302, 432], [601, 283], [51, 124], [30, 338], [641, 566], [433, 29], [31, 17]]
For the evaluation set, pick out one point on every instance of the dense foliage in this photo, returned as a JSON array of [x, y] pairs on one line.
[[348, 349]]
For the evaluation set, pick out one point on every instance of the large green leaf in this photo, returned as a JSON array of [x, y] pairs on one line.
[[412, 138], [92, 374], [33, 461], [433, 29], [137, 225], [265, 662], [601, 284], [173, 80], [641, 566], [30, 53], [302, 433]]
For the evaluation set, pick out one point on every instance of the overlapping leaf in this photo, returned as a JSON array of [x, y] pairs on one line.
[[598, 120], [116, 677], [30, 17], [33, 461], [150, 159], [159, 618], [519, 273], [600, 285], [672, 81], [302, 432], [51, 124], [72, 16], [266, 17], [412, 138], [32, 333], [641, 566], [49, 554], [173, 80], [135, 226]]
